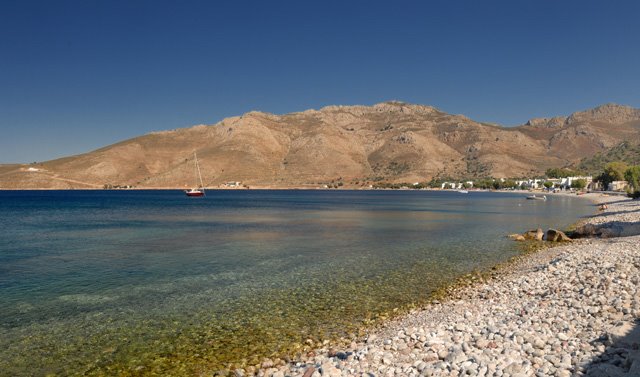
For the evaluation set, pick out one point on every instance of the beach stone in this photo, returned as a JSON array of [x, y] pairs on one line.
[[309, 372], [456, 357], [618, 333], [536, 234], [554, 235], [328, 369]]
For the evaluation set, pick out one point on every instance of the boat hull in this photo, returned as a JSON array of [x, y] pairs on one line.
[[194, 193]]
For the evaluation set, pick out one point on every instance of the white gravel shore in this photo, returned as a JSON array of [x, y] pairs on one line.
[[571, 310]]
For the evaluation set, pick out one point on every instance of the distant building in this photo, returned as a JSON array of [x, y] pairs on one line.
[[618, 186], [567, 182], [530, 183], [452, 185]]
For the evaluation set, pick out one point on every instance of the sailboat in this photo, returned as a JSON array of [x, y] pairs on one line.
[[194, 192]]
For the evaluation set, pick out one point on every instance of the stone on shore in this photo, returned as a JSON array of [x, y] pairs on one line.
[[536, 235], [517, 237], [554, 235]]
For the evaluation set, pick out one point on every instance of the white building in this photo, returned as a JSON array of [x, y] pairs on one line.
[[454, 185], [530, 183], [618, 186], [568, 181]]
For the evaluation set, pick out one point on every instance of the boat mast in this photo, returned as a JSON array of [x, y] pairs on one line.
[[198, 170]]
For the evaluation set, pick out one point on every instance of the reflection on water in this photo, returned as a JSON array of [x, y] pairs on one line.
[[137, 282]]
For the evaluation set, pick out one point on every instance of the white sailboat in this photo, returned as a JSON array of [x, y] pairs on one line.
[[194, 192]]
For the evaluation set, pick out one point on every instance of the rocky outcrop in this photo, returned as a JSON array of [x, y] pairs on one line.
[[554, 235], [610, 113], [608, 230], [547, 122]]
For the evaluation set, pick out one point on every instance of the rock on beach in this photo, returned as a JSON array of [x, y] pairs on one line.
[[572, 310]]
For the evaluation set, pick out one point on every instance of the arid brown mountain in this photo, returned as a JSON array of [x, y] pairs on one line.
[[391, 141]]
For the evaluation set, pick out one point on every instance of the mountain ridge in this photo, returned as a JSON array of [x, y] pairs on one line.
[[391, 141]]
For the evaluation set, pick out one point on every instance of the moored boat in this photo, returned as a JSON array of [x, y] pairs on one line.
[[195, 192], [533, 197]]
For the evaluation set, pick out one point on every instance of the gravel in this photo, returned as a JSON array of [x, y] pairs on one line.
[[571, 310]]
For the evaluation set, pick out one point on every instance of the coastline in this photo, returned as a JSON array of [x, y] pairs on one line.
[[566, 310]]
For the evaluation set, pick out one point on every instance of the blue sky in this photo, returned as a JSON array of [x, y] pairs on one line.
[[78, 75]]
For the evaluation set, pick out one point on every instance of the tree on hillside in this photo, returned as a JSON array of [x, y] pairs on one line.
[[614, 171], [579, 184], [632, 175], [561, 173], [548, 184], [484, 183], [510, 183]]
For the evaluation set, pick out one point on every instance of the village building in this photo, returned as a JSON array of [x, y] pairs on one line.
[[618, 186]]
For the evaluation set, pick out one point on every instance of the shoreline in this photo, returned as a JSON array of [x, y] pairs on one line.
[[307, 188], [468, 332]]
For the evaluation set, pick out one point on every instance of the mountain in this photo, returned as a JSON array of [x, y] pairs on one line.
[[390, 141]]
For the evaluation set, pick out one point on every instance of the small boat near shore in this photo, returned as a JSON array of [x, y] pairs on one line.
[[534, 197], [196, 192], [463, 191]]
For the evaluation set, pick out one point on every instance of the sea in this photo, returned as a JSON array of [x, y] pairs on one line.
[[143, 282]]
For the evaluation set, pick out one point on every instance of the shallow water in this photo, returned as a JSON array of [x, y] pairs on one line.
[[144, 282]]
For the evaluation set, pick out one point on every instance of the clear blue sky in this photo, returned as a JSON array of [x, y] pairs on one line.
[[78, 75]]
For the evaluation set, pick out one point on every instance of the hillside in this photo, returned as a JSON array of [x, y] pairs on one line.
[[626, 151], [391, 141]]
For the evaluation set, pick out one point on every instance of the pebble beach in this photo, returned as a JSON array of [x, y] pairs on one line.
[[570, 310]]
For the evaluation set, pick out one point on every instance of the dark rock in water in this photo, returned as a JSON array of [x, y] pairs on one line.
[[554, 235], [537, 234]]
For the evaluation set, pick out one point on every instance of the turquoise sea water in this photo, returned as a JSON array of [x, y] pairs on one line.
[[153, 282]]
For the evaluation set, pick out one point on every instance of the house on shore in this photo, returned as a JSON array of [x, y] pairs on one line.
[[618, 186], [530, 183]]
